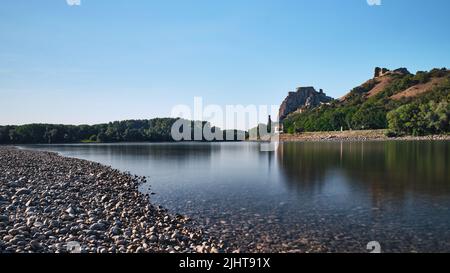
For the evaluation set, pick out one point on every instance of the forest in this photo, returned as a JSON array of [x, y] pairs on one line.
[[151, 130]]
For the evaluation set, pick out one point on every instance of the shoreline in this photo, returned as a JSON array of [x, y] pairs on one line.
[[357, 136], [52, 204], [331, 136]]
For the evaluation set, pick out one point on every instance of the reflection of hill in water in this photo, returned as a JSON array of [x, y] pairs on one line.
[[389, 168]]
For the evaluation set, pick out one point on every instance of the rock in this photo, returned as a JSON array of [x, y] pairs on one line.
[[101, 175], [35, 244], [4, 219], [29, 203], [153, 239], [67, 217], [214, 250], [70, 210], [23, 191], [104, 198], [116, 231], [199, 249], [303, 98], [13, 232], [98, 227], [140, 250]]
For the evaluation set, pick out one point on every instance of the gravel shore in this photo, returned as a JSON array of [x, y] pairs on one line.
[[356, 135], [53, 204]]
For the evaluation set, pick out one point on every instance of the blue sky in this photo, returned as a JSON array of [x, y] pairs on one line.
[[120, 59]]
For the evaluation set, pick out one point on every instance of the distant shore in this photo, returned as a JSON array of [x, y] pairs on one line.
[[357, 135], [54, 204]]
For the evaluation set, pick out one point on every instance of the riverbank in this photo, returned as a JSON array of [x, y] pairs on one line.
[[357, 135], [51, 204]]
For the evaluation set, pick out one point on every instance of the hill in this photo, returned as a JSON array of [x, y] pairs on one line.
[[404, 103]]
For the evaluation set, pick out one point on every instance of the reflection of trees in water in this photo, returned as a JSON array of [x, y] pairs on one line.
[[123, 155], [159, 150], [383, 168], [306, 164]]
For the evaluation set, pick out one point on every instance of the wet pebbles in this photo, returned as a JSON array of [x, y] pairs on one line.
[[53, 204]]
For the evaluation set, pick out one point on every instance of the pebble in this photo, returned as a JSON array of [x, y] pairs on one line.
[[98, 226], [4, 219], [112, 217], [23, 191]]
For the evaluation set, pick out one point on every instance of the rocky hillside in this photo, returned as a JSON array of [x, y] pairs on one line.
[[303, 99], [404, 102], [383, 77], [420, 84]]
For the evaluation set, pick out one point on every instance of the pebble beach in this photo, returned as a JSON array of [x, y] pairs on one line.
[[54, 204]]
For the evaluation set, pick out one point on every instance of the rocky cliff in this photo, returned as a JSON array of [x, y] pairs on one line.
[[304, 98]]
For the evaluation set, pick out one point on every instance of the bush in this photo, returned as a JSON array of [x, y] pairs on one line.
[[420, 119]]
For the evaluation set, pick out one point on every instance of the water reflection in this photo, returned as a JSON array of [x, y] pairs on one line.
[[381, 168]]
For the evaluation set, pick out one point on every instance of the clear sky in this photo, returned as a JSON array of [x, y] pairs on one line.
[[108, 60]]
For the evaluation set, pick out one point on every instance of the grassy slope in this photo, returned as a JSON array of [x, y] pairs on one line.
[[366, 106]]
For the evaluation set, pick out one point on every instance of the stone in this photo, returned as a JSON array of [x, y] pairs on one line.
[[303, 98], [98, 226], [153, 239], [70, 210], [104, 198], [214, 250], [199, 248], [4, 219], [140, 250], [35, 244], [13, 232], [23, 191], [116, 231]]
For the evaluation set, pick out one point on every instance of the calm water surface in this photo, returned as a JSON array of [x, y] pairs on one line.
[[305, 196]]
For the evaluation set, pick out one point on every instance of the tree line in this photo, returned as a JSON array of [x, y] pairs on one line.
[[151, 130]]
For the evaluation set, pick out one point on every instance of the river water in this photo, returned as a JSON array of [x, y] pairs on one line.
[[318, 197]]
